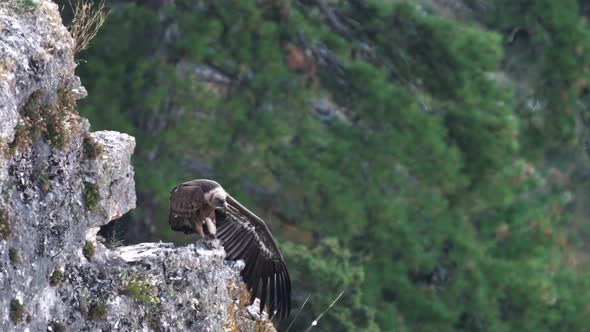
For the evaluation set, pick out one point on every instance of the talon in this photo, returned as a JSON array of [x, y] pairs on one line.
[[211, 226], [199, 230], [212, 217]]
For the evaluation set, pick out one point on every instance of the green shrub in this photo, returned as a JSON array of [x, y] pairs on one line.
[[423, 193]]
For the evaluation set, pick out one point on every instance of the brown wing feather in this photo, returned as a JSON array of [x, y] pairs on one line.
[[245, 236], [186, 204]]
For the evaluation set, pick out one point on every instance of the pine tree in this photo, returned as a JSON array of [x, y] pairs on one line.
[[379, 140]]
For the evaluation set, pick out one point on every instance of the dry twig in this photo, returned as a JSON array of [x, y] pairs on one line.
[[87, 20], [315, 321], [293, 321]]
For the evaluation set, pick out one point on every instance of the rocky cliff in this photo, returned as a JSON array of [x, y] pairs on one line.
[[59, 183]]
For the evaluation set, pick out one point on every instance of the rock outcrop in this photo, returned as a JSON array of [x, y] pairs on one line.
[[59, 183]]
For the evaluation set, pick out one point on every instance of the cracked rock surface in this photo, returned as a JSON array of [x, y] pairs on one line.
[[59, 183]]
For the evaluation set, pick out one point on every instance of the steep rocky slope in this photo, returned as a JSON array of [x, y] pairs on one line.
[[59, 183]]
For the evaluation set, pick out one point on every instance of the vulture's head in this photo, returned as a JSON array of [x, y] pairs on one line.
[[216, 197]]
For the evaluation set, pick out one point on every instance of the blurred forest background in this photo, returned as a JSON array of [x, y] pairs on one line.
[[427, 157]]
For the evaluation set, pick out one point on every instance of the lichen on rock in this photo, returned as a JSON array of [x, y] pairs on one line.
[[59, 183]]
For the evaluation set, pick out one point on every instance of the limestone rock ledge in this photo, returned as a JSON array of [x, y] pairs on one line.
[[59, 183]]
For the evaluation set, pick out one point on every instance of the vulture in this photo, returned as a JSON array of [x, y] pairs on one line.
[[204, 207]]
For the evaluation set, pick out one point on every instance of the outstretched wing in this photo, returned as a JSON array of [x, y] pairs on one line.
[[245, 236], [186, 204]]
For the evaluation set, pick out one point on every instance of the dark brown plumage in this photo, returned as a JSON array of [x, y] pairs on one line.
[[189, 207], [243, 235]]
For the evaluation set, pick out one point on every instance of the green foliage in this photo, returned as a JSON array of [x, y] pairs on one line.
[[20, 139], [23, 6], [25, 130], [324, 271], [91, 195], [140, 289], [550, 41], [88, 250], [61, 119], [17, 311], [426, 196], [4, 224], [42, 181], [14, 256]]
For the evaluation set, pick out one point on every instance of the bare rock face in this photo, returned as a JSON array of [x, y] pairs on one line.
[[59, 183], [111, 175]]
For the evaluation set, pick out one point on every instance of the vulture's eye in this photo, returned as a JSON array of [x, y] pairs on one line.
[[218, 202]]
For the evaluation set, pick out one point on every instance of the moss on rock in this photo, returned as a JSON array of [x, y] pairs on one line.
[[91, 195], [4, 225], [140, 289], [55, 278], [98, 311], [17, 311], [92, 150], [43, 181], [13, 256], [88, 250], [55, 121]]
